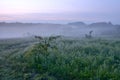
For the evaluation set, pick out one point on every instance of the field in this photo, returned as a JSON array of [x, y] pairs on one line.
[[56, 58]]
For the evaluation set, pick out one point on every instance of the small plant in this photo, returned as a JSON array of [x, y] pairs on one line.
[[46, 42], [89, 36]]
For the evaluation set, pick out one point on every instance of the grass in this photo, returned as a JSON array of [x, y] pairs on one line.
[[60, 59]]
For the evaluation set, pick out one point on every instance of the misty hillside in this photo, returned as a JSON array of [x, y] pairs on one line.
[[75, 29]]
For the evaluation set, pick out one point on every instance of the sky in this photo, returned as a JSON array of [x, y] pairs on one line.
[[60, 10]]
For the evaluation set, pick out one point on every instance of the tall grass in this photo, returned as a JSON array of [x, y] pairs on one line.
[[65, 59]]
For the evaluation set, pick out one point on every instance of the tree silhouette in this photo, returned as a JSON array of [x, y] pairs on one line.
[[89, 35]]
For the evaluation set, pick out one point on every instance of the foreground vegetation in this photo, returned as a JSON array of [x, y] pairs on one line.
[[60, 59]]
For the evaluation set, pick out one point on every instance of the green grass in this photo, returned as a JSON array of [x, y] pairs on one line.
[[61, 59]]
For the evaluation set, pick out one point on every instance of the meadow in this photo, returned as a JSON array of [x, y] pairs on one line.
[[57, 58]]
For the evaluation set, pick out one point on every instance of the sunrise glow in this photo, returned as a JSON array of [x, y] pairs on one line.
[[87, 10]]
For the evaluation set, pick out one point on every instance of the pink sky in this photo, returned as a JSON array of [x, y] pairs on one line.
[[83, 10]]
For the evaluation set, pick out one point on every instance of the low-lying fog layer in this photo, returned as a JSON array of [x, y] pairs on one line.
[[76, 29]]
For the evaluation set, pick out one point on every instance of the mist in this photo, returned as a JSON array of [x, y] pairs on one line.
[[74, 29]]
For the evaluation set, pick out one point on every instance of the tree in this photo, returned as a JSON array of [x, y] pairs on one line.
[[89, 35]]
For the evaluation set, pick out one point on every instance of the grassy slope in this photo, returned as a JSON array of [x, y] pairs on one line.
[[60, 60]]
